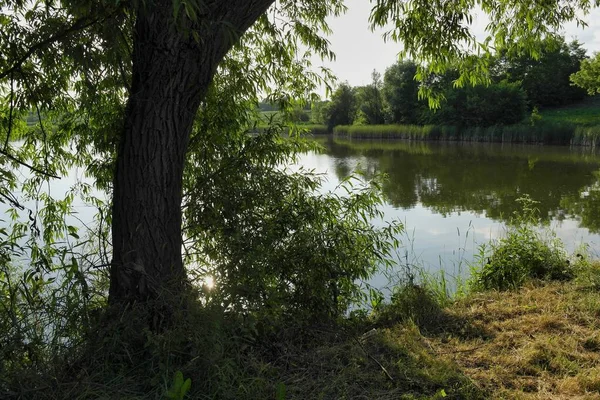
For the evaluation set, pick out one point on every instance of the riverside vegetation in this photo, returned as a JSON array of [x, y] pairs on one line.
[[256, 336], [524, 326], [501, 335], [576, 124], [521, 104], [208, 270]]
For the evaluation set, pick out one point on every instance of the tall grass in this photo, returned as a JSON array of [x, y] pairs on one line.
[[411, 132], [312, 129], [586, 136], [315, 129], [522, 254], [557, 133]]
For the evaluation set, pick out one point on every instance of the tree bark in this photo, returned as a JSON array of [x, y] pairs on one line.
[[171, 74]]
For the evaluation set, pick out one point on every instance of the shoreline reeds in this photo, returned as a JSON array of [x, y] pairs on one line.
[[542, 133]]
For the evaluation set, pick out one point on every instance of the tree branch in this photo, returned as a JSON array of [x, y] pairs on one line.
[[78, 25], [39, 115], [31, 167], [12, 201], [10, 114]]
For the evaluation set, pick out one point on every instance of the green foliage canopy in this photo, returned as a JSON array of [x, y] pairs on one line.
[[501, 103], [588, 77], [370, 100], [546, 79], [437, 34], [342, 108], [400, 90]]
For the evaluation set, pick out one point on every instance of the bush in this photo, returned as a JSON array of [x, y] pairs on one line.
[[523, 253], [412, 302], [299, 115], [500, 103], [276, 248]]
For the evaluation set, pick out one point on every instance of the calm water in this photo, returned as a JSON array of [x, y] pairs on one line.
[[453, 197]]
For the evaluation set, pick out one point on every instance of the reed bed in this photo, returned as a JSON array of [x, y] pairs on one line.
[[312, 129], [316, 129], [543, 133]]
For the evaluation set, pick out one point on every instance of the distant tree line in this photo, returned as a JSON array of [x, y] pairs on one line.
[[298, 114], [519, 85]]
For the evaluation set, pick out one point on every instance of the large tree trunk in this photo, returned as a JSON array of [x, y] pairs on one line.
[[171, 74]]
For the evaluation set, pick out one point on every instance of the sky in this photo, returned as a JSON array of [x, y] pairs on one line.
[[359, 50]]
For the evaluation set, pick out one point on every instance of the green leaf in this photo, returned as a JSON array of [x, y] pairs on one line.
[[179, 387], [186, 387], [73, 231], [280, 392]]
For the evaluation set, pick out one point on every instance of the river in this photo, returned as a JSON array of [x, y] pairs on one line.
[[453, 197]]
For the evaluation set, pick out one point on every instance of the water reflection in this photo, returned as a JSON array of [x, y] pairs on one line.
[[485, 179], [454, 197]]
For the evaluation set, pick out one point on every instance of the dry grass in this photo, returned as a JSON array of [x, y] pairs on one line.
[[542, 342], [383, 364]]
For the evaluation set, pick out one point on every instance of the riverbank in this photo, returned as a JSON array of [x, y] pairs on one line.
[[540, 342], [554, 133], [524, 326], [576, 124], [584, 113]]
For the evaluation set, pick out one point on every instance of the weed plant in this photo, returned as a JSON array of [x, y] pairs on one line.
[[416, 295], [522, 254]]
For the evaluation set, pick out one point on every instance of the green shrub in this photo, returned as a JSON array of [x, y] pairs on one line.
[[523, 253], [276, 248], [411, 302]]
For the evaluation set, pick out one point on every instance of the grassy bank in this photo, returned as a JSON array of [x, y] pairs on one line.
[[541, 341], [584, 113], [525, 326], [558, 133], [577, 124]]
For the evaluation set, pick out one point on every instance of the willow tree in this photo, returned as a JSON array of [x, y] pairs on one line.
[[588, 77], [132, 76]]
